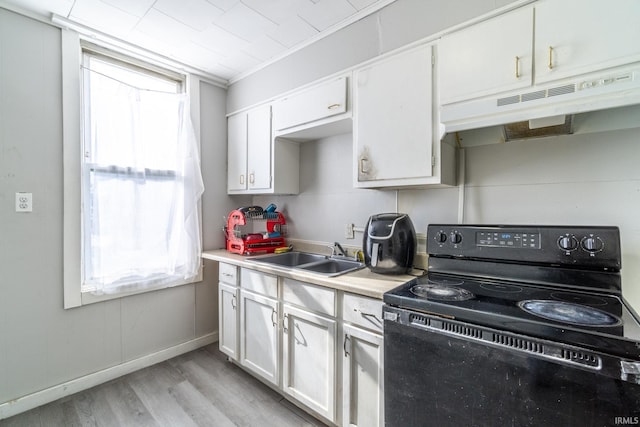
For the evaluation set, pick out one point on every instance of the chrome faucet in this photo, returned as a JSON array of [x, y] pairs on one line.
[[337, 249]]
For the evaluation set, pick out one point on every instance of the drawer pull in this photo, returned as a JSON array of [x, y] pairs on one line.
[[370, 317], [333, 106]]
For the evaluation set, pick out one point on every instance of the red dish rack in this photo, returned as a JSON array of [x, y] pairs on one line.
[[255, 243]]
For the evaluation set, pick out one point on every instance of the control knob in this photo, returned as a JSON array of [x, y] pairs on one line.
[[568, 243], [440, 237], [592, 244], [455, 237]]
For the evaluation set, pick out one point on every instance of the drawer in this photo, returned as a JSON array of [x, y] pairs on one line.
[[228, 273], [362, 311], [259, 283], [319, 102], [312, 297]]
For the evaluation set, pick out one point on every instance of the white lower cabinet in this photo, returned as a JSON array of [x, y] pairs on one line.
[[362, 378], [228, 310], [259, 335], [229, 319], [309, 359], [327, 354]]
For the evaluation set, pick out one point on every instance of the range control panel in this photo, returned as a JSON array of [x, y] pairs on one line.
[[568, 245]]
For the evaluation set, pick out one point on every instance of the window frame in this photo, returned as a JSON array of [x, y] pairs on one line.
[[73, 47]]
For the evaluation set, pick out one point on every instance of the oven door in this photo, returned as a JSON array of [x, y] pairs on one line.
[[441, 372]]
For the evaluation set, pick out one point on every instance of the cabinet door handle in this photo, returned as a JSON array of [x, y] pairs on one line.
[[333, 106], [275, 322], [347, 338], [517, 67], [363, 161], [252, 178], [242, 179], [551, 57], [285, 321], [233, 302]]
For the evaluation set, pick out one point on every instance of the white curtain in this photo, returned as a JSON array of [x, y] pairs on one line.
[[141, 188]]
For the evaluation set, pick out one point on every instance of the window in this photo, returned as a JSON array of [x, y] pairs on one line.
[[140, 178]]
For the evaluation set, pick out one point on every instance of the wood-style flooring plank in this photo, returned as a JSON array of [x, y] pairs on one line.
[[199, 388], [126, 406]]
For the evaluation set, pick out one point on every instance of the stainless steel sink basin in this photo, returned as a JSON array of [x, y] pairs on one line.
[[333, 267], [290, 259], [312, 263]]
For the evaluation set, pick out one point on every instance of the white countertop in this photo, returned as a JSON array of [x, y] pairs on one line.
[[362, 282]]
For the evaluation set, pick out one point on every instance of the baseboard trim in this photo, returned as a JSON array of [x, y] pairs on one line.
[[39, 398]]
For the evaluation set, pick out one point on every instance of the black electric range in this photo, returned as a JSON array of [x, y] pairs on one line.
[[521, 279], [508, 314]]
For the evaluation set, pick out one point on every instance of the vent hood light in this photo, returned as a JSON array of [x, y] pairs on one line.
[[539, 128], [546, 105]]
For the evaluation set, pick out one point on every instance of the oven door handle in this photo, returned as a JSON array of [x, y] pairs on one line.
[[630, 371]]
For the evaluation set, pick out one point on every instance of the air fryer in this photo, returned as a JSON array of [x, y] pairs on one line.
[[389, 243]]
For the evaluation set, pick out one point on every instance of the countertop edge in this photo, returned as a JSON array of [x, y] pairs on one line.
[[362, 282]]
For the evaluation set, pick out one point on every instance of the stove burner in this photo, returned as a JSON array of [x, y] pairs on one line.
[[579, 298], [568, 312], [511, 289], [441, 293]]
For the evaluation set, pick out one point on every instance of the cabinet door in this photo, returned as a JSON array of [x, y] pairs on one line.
[[309, 368], [574, 37], [487, 58], [362, 376], [237, 152], [259, 148], [322, 101], [228, 320], [394, 119], [259, 335]]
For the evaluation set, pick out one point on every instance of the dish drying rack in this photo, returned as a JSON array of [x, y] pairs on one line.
[[254, 243]]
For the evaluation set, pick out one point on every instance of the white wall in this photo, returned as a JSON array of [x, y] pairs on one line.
[[41, 344], [573, 180], [396, 25]]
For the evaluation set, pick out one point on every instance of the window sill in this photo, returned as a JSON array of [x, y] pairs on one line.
[[91, 298]]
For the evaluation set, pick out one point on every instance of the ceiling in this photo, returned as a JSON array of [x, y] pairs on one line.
[[222, 38]]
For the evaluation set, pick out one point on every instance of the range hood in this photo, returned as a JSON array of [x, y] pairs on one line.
[[553, 103]]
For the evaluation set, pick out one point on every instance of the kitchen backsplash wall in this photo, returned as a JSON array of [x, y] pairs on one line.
[[589, 179]]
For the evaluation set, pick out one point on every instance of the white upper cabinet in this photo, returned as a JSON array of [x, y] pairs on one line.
[[393, 122], [237, 153], [575, 37], [322, 101], [259, 148], [256, 162], [486, 58], [506, 53], [249, 150]]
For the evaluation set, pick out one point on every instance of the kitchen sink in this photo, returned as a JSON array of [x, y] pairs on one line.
[[290, 259], [333, 267], [312, 263]]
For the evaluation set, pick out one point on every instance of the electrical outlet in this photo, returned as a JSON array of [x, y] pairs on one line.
[[348, 232], [24, 202]]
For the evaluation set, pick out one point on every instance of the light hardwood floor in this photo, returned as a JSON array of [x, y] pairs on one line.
[[199, 388]]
